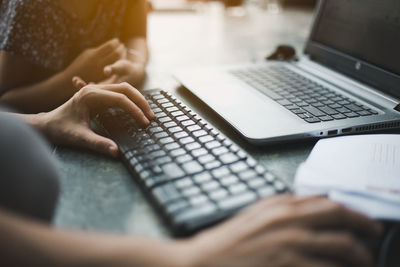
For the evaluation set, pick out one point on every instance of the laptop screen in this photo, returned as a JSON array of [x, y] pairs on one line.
[[364, 30]]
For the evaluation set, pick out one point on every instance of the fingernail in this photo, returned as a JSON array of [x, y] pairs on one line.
[[152, 115], [107, 70], [113, 150]]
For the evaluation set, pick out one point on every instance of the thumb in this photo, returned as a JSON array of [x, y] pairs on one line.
[[116, 68], [99, 143]]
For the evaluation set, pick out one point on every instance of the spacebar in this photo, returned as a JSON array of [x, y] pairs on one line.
[[267, 92]]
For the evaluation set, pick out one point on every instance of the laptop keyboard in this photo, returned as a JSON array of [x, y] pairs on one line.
[[305, 98], [195, 175]]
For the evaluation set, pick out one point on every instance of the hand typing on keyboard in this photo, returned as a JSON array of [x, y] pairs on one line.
[[69, 124], [286, 231]]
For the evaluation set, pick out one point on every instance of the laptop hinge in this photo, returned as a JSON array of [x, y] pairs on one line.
[[397, 108]]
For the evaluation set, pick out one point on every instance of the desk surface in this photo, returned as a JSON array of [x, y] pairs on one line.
[[98, 193]]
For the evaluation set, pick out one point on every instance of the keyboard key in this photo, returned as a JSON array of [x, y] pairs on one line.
[[202, 178], [192, 167], [193, 128], [157, 96], [326, 118], [199, 133], [353, 107], [249, 174], [177, 206], [160, 114], [364, 113], [352, 115], [171, 109], [182, 183], [339, 116], [188, 123], [183, 158], [177, 113], [177, 152], [164, 119], [228, 158], [210, 186], [219, 151], [206, 139], [237, 188], [163, 160], [167, 105], [198, 200], [169, 124], [186, 140], [199, 152], [172, 146], [165, 140], [182, 118], [212, 165], [218, 194], [328, 110], [237, 201], [191, 191], [312, 120], [266, 191], [172, 170], [343, 110], [284, 102], [165, 193], [314, 111], [213, 144], [160, 135], [229, 180], [238, 167], [220, 172], [194, 214], [156, 154], [256, 183], [154, 130], [180, 135], [162, 100], [192, 146], [206, 158]]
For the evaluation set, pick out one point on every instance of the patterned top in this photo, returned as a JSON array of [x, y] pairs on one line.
[[45, 34]]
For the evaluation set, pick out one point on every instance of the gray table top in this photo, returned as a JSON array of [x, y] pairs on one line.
[[98, 193]]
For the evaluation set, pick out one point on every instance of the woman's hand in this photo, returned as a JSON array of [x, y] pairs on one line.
[[122, 70], [70, 123], [125, 70], [285, 231], [90, 64]]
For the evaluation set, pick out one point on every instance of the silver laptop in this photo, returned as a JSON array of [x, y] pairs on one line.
[[347, 82]]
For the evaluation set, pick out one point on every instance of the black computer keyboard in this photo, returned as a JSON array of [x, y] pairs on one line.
[[305, 98], [193, 174]]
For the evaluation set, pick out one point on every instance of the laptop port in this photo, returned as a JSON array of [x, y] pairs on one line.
[[347, 130], [333, 132]]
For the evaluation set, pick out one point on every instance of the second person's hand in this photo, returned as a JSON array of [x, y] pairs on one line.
[[90, 64], [286, 231]]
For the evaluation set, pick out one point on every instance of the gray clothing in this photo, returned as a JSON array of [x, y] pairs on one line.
[[29, 183]]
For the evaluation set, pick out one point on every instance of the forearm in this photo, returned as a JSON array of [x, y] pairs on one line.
[[25, 243], [42, 96]]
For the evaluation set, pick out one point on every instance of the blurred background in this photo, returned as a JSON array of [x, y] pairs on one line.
[[197, 33], [271, 5]]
